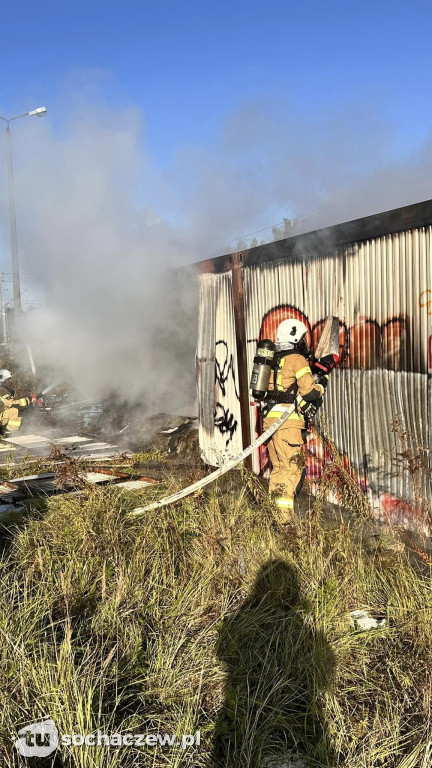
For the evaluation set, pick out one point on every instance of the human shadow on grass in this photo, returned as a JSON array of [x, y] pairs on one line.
[[277, 664]]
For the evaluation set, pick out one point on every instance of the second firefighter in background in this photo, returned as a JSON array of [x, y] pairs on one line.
[[292, 377], [11, 407]]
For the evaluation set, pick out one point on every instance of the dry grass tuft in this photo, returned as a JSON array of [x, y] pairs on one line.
[[205, 616]]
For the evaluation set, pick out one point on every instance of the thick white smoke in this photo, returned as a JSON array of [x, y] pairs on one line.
[[101, 223], [103, 255]]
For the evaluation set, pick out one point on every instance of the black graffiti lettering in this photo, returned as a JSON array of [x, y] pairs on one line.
[[225, 422], [224, 367]]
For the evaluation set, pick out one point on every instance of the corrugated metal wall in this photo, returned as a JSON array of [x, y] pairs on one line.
[[380, 290], [217, 372]]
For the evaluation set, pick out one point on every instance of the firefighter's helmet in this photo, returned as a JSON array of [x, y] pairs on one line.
[[4, 375], [289, 333]]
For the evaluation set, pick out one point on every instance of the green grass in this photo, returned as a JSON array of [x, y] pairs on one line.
[[205, 616]]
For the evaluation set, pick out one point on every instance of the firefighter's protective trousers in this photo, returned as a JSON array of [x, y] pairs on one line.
[[285, 446]]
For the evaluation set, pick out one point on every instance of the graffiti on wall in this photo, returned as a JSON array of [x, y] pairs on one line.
[[425, 300], [366, 345], [225, 367], [224, 420]]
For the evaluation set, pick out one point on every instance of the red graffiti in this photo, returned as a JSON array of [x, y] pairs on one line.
[[276, 316], [373, 345], [425, 300], [398, 511], [365, 345], [395, 348], [317, 456]]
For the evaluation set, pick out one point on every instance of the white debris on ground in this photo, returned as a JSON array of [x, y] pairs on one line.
[[362, 620], [288, 761], [40, 446]]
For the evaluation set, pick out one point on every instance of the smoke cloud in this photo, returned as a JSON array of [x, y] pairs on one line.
[[112, 315], [100, 224]]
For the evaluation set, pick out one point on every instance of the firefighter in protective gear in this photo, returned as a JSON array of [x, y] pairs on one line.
[[10, 407], [292, 376]]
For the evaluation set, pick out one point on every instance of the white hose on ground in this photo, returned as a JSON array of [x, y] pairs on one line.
[[230, 464]]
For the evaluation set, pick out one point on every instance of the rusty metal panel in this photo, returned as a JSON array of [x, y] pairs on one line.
[[241, 349], [320, 241], [381, 289], [217, 371]]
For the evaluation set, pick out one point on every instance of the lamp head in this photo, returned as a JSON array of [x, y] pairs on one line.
[[39, 111]]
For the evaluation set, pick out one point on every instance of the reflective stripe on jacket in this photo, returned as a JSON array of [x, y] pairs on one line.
[[9, 409], [294, 369]]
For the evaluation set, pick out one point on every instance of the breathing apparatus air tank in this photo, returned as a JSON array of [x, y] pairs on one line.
[[262, 368]]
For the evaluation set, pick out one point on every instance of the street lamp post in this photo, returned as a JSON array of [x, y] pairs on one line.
[[40, 111]]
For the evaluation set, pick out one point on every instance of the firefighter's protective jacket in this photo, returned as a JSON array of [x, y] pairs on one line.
[[294, 374], [10, 419]]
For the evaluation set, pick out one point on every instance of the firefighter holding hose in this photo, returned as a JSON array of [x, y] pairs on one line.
[[288, 402], [10, 406], [292, 376]]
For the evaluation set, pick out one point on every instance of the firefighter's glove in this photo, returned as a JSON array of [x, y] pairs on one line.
[[269, 399], [267, 403], [325, 364], [24, 402], [323, 380], [309, 408]]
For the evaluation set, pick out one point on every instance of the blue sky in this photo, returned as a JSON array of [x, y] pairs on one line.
[[178, 127], [188, 64], [234, 116]]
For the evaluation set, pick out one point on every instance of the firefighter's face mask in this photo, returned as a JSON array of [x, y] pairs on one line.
[[300, 346], [303, 347]]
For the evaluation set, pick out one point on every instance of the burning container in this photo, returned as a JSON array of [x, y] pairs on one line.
[[374, 273]]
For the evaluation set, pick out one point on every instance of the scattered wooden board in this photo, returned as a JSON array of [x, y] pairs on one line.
[[133, 485], [97, 478], [39, 445], [74, 439], [97, 446], [28, 478], [27, 441]]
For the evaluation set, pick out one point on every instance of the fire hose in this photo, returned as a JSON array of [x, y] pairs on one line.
[[327, 345], [38, 397], [230, 464]]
